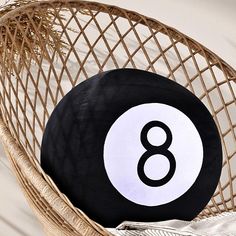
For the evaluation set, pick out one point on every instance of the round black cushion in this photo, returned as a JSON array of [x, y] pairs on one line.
[[132, 145]]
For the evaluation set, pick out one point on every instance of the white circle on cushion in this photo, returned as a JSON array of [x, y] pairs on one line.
[[156, 136], [152, 164], [123, 149]]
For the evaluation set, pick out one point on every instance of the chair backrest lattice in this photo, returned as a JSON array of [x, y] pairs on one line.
[[40, 65]]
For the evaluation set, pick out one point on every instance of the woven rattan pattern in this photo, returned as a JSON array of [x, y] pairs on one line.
[[98, 37]]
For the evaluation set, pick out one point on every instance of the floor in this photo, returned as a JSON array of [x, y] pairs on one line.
[[16, 218], [210, 22]]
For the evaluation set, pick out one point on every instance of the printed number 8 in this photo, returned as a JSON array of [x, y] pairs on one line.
[[153, 150]]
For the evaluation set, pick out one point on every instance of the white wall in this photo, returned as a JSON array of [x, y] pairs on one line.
[[210, 22]]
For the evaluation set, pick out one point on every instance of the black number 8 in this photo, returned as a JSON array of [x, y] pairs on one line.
[[152, 150]]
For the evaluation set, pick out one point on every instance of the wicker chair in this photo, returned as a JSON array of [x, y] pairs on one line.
[[96, 37]]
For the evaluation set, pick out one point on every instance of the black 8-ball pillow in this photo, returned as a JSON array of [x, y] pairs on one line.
[[132, 145]]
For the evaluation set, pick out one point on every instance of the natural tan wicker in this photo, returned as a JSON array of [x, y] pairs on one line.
[[98, 37]]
